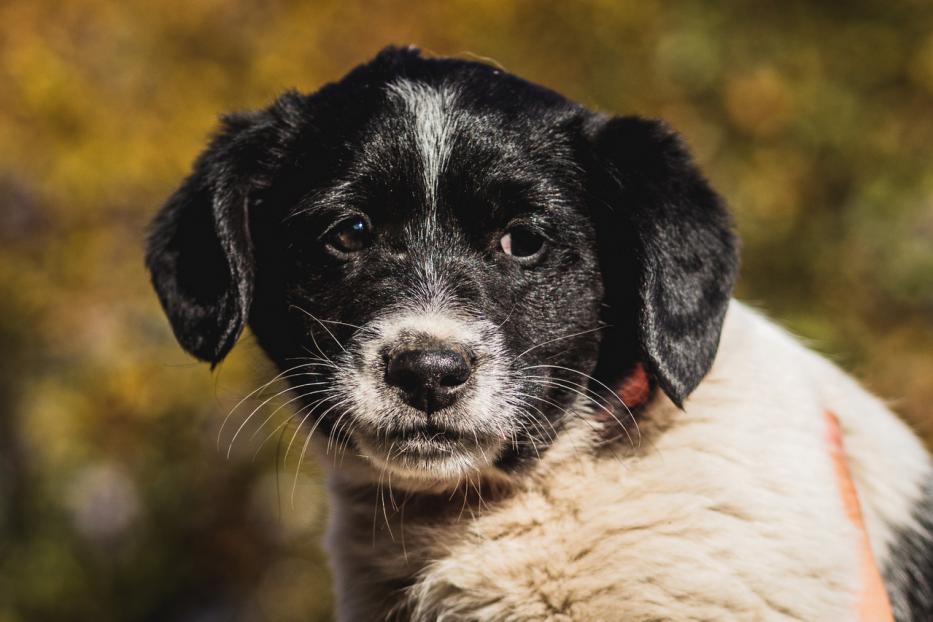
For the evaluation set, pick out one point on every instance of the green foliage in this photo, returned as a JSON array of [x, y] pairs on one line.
[[813, 119]]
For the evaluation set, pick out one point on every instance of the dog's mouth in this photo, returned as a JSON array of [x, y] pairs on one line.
[[429, 451], [429, 440]]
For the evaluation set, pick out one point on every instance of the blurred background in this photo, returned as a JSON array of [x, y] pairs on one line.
[[814, 119]]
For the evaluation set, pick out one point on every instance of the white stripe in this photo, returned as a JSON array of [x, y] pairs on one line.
[[433, 122]]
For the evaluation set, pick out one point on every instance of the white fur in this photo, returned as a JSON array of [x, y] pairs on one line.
[[888, 461], [727, 511], [433, 120]]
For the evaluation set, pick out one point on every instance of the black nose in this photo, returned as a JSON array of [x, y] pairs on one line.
[[429, 378]]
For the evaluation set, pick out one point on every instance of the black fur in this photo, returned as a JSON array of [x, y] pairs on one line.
[[909, 570], [637, 241]]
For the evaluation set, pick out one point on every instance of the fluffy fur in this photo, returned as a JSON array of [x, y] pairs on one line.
[[437, 203]]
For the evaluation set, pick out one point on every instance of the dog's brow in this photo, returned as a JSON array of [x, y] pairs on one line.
[[335, 197]]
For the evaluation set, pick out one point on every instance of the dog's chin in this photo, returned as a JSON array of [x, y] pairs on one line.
[[427, 458]]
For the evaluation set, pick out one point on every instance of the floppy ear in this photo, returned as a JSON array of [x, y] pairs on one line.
[[199, 252], [672, 259]]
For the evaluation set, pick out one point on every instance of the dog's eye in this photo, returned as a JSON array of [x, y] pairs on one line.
[[351, 235], [521, 242]]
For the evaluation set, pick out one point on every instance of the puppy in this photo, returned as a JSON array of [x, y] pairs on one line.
[[513, 318]]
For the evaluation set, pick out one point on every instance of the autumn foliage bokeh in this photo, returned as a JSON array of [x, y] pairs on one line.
[[813, 119]]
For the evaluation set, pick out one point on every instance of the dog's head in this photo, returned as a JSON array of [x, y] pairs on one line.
[[447, 260]]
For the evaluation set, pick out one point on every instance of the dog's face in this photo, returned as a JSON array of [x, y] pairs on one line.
[[447, 261]]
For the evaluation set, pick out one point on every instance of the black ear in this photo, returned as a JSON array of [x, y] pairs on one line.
[[669, 253], [199, 251]]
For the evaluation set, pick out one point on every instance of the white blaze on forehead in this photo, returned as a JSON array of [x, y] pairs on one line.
[[433, 121]]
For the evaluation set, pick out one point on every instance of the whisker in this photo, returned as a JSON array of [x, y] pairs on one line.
[[613, 393], [281, 406], [479, 446], [611, 411], [324, 326], [392, 494], [544, 343], [570, 413], [341, 323], [534, 445], [330, 437], [313, 357], [381, 492], [304, 448], [466, 488], [323, 357], [567, 411], [479, 490], [313, 406], [252, 393], [551, 436], [347, 440], [401, 516], [298, 428], [591, 394], [554, 382], [539, 411], [509, 316], [266, 401]]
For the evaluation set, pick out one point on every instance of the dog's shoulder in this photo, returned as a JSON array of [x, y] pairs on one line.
[[890, 466]]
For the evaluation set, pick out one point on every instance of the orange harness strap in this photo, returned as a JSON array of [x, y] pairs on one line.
[[873, 603]]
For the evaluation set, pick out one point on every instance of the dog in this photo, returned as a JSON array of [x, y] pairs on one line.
[[513, 318]]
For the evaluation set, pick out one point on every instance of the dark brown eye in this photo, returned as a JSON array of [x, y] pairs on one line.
[[351, 235], [521, 242]]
